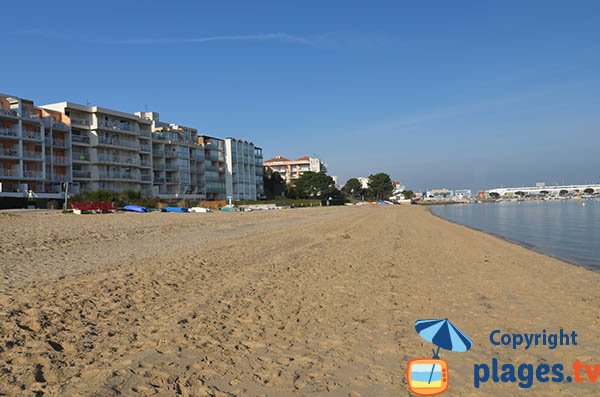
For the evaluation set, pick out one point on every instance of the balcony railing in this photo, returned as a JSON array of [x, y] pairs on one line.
[[114, 125], [9, 112], [32, 174], [4, 152], [59, 177], [80, 156], [59, 142], [145, 148], [146, 178], [59, 125], [172, 180], [8, 132], [32, 155], [79, 121], [6, 172], [61, 160], [32, 135], [145, 163], [117, 175], [80, 139], [82, 174], [104, 158], [118, 142]]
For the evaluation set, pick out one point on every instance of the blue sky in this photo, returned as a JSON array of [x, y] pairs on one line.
[[461, 94]]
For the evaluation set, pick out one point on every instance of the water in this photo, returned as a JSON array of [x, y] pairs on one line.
[[566, 229]]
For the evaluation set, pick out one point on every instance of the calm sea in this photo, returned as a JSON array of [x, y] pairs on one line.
[[566, 229]]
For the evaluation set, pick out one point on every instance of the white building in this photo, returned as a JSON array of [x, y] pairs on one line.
[[290, 170], [35, 149], [543, 190], [111, 150], [439, 194], [462, 194], [243, 170]]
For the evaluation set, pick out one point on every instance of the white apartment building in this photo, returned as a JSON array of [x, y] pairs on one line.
[[111, 150], [35, 157], [177, 160], [243, 170], [290, 170]]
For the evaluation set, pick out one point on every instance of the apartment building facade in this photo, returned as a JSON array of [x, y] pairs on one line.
[[91, 148], [214, 167], [35, 146], [111, 150], [290, 170], [243, 170], [177, 160]]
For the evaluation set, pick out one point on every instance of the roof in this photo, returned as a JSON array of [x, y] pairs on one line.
[[277, 158]]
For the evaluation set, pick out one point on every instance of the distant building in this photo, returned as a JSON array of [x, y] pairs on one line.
[[364, 182], [463, 194], [397, 192], [439, 194], [542, 190], [290, 170]]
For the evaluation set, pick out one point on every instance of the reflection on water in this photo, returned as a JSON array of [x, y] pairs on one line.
[[567, 229]]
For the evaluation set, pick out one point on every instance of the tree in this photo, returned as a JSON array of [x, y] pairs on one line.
[[495, 195], [381, 185], [408, 194], [563, 192], [589, 190], [273, 183], [353, 188], [314, 185], [520, 193]]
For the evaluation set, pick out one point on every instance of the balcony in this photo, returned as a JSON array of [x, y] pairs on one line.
[[116, 126], [8, 173], [145, 163], [32, 135], [146, 178], [131, 145], [61, 160], [107, 158], [32, 174], [81, 156], [145, 148], [59, 143], [9, 112], [59, 177], [9, 152], [7, 132], [82, 174], [59, 125], [78, 139], [81, 122], [28, 154], [118, 175], [172, 180]]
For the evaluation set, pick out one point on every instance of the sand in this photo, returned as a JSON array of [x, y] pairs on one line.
[[293, 302]]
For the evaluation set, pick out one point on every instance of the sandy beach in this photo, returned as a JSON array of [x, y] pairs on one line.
[[294, 302]]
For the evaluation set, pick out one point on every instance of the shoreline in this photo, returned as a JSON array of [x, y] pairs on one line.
[[523, 244]]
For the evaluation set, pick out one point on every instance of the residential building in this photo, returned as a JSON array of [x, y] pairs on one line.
[[462, 194], [111, 150], [177, 160], [35, 154], [439, 194], [214, 166], [243, 170], [290, 170], [551, 190]]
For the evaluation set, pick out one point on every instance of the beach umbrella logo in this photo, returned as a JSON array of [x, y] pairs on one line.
[[429, 376]]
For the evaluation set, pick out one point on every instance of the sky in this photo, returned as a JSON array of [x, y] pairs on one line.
[[457, 94]]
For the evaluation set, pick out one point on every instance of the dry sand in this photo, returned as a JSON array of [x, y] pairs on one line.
[[295, 302]]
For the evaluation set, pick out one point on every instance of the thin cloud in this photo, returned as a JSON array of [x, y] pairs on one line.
[[281, 37]]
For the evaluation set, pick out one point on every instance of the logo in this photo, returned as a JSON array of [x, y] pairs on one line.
[[429, 376]]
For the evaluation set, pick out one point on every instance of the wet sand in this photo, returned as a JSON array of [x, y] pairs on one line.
[[294, 302]]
